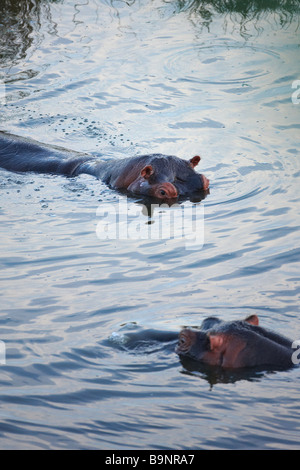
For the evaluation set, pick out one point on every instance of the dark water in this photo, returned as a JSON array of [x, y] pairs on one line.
[[124, 78]]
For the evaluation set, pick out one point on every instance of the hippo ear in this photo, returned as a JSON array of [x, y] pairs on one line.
[[216, 342], [147, 171], [253, 320], [194, 161]]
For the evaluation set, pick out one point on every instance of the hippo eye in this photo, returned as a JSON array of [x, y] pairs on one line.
[[162, 192]]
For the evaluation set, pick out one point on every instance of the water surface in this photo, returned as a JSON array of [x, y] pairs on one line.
[[125, 78]]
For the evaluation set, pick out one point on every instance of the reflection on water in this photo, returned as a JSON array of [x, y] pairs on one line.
[[217, 375], [247, 17], [250, 10], [20, 22]]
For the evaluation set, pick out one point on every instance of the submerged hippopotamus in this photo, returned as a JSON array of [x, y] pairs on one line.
[[155, 175], [235, 344]]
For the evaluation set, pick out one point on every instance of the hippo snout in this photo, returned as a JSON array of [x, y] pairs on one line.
[[166, 191], [185, 341], [205, 182]]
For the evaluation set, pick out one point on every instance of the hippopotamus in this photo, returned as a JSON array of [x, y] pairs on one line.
[[155, 175], [235, 344]]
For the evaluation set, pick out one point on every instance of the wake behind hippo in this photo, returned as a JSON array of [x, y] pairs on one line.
[[154, 175], [235, 344]]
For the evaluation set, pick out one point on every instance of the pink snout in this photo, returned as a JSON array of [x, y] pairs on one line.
[[205, 182], [165, 191]]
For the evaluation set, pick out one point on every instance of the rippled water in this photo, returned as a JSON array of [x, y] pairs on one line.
[[124, 78]]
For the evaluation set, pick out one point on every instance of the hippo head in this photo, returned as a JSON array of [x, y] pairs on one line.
[[217, 343], [169, 177]]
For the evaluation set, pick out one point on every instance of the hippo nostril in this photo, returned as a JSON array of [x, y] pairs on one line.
[[205, 183], [166, 191]]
